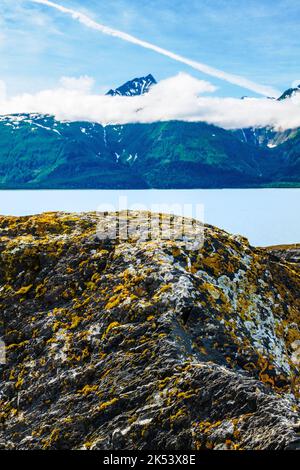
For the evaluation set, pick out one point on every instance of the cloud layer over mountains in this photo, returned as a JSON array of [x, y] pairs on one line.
[[178, 98]]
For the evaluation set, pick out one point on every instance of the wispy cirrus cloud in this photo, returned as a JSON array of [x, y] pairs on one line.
[[181, 97]]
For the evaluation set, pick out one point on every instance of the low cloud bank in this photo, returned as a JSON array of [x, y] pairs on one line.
[[178, 98]]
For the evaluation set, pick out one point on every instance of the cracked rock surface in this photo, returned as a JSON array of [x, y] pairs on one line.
[[290, 253], [156, 344]]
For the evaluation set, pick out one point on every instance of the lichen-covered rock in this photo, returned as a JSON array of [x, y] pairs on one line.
[[131, 344], [290, 253]]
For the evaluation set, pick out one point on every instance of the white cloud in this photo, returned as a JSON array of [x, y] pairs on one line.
[[296, 83], [82, 84], [178, 98], [2, 38], [2, 91]]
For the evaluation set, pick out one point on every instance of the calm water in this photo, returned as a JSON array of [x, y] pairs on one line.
[[265, 216]]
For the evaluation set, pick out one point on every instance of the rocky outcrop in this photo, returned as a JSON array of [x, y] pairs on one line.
[[145, 344], [290, 253]]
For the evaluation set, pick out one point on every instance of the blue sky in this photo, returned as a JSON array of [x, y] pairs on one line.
[[258, 39]]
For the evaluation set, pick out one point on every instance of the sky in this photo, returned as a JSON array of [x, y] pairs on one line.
[[256, 39]]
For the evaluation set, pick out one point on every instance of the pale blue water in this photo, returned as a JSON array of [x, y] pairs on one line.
[[265, 216]]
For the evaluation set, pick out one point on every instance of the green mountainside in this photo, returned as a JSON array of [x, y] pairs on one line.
[[39, 152]]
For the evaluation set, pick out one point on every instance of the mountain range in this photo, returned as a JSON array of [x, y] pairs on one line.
[[38, 151]]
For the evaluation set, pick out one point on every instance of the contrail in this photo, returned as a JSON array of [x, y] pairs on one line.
[[234, 79]]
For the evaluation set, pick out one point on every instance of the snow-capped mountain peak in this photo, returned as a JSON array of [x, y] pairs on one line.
[[289, 93], [137, 86]]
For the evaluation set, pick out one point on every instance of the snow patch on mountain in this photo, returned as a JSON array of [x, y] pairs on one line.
[[135, 87]]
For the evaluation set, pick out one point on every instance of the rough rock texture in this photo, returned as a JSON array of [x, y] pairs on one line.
[[145, 344], [290, 253]]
